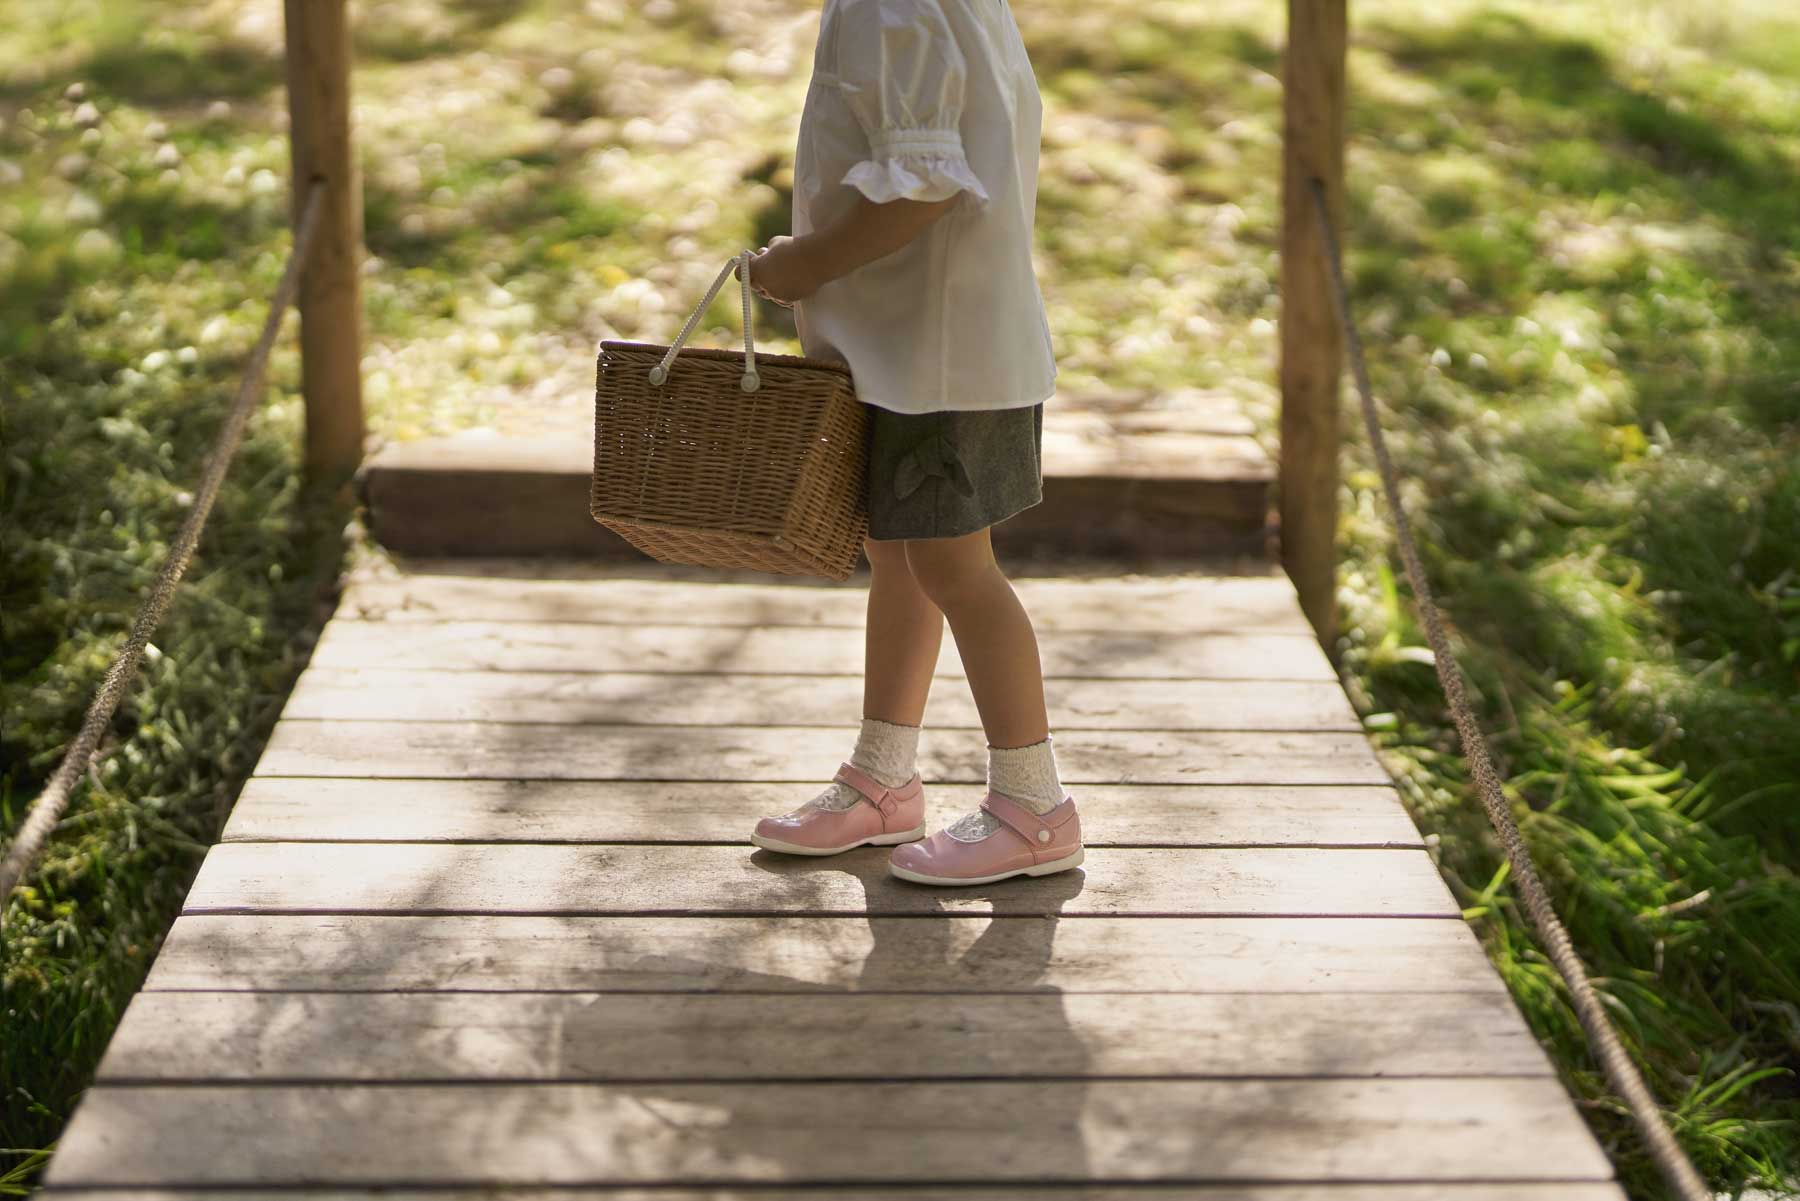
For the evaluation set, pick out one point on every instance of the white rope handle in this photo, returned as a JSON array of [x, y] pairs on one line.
[[751, 381]]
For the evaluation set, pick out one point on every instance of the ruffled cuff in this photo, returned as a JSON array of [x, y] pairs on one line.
[[916, 165]]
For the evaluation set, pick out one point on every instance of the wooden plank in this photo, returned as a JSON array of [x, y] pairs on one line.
[[965, 1131], [272, 877], [289, 808], [973, 954], [561, 646], [1149, 604], [1442, 1191], [1188, 514], [482, 750], [416, 1037], [1203, 410], [715, 700], [464, 496], [1170, 455]]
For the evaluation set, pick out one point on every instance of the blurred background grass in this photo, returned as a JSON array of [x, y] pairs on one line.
[[1575, 242]]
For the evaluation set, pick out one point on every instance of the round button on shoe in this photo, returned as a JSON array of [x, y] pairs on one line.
[[1043, 836]]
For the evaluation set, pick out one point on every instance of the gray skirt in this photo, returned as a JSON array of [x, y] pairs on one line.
[[946, 474]]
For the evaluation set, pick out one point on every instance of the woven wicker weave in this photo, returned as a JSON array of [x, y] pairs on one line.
[[735, 459]]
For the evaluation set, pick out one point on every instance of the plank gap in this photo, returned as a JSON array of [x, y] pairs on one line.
[[282, 1082]]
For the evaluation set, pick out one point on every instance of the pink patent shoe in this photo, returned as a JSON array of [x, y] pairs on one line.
[[1024, 845], [880, 817]]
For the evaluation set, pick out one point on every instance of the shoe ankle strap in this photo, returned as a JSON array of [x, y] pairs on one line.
[[871, 789], [1021, 821]]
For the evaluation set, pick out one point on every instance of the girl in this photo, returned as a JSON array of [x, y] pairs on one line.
[[915, 189]]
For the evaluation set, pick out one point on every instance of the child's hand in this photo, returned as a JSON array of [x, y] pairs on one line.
[[782, 272]]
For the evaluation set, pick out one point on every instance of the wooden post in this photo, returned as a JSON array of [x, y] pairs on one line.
[[1312, 345], [318, 77]]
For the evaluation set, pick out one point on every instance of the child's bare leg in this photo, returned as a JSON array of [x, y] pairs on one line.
[[1000, 656], [993, 634], [905, 633], [901, 643]]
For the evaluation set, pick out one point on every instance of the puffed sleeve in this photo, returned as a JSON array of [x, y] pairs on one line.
[[902, 75]]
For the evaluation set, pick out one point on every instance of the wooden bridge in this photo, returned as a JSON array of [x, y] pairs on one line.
[[486, 917]]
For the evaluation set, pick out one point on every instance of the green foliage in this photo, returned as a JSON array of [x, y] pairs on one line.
[[1583, 319], [127, 304]]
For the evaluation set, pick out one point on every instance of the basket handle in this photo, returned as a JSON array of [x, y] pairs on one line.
[[751, 381]]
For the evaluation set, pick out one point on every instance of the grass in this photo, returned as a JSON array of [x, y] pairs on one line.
[[130, 294], [1585, 315], [1573, 240]]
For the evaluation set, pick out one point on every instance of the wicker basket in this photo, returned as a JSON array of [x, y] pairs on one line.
[[730, 459]]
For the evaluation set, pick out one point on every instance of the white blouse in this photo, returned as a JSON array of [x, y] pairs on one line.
[[923, 99]]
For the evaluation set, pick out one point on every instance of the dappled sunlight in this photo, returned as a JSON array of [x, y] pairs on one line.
[[1573, 240]]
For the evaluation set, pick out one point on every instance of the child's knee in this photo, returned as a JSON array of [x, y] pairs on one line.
[[888, 555], [949, 574]]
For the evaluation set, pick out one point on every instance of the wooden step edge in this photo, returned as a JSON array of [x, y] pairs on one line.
[[466, 497]]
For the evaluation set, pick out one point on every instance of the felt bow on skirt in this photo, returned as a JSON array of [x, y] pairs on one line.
[[933, 456]]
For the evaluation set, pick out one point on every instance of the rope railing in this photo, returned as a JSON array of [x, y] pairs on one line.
[[47, 808], [1674, 1164]]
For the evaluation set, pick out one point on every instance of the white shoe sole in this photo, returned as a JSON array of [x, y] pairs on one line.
[[878, 840], [1039, 869]]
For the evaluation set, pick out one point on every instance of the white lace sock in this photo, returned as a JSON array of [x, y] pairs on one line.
[[883, 749], [1027, 774]]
